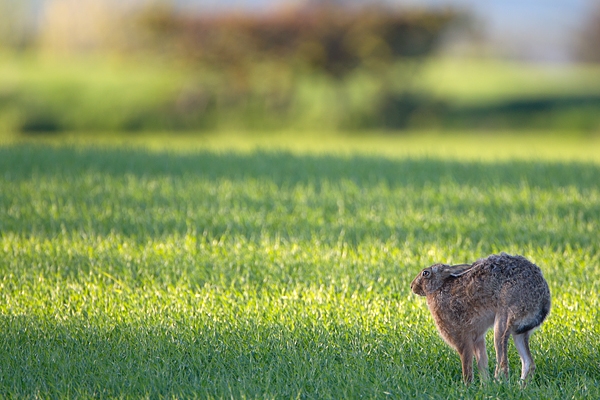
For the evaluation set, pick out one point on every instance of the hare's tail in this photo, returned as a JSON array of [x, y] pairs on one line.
[[536, 321]]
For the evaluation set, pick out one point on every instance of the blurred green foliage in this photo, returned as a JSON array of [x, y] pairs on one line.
[[321, 66], [318, 68], [40, 94], [328, 39]]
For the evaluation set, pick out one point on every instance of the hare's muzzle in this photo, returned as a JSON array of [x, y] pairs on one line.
[[416, 288]]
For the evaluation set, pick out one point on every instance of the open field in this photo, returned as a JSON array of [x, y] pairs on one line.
[[40, 93], [232, 266]]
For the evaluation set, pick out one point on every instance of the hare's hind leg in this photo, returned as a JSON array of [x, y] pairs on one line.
[[522, 345], [501, 335]]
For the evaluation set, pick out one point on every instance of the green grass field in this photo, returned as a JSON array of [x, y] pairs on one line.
[[240, 267]]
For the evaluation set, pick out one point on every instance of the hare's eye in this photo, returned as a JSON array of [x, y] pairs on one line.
[[426, 273]]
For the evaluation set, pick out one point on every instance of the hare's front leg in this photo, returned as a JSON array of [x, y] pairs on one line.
[[501, 335], [465, 350], [481, 357]]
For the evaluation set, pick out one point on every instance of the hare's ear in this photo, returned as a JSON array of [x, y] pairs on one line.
[[447, 271], [458, 270]]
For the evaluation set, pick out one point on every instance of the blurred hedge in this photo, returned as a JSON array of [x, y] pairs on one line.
[[321, 66], [333, 40]]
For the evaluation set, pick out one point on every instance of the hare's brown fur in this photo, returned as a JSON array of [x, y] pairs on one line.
[[504, 291]]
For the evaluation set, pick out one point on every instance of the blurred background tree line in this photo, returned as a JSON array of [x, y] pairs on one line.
[[74, 65]]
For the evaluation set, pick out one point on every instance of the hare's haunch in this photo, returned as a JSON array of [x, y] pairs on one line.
[[504, 291]]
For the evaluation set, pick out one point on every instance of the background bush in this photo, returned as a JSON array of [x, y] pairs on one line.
[[320, 67]]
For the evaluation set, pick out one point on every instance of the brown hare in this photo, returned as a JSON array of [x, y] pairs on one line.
[[508, 292]]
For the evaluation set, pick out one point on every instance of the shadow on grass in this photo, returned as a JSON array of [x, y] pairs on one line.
[[563, 112], [19, 162], [431, 188], [50, 358]]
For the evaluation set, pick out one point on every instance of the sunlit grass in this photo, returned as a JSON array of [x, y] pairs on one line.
[[472, 146], [236, 268], [481, 81]]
